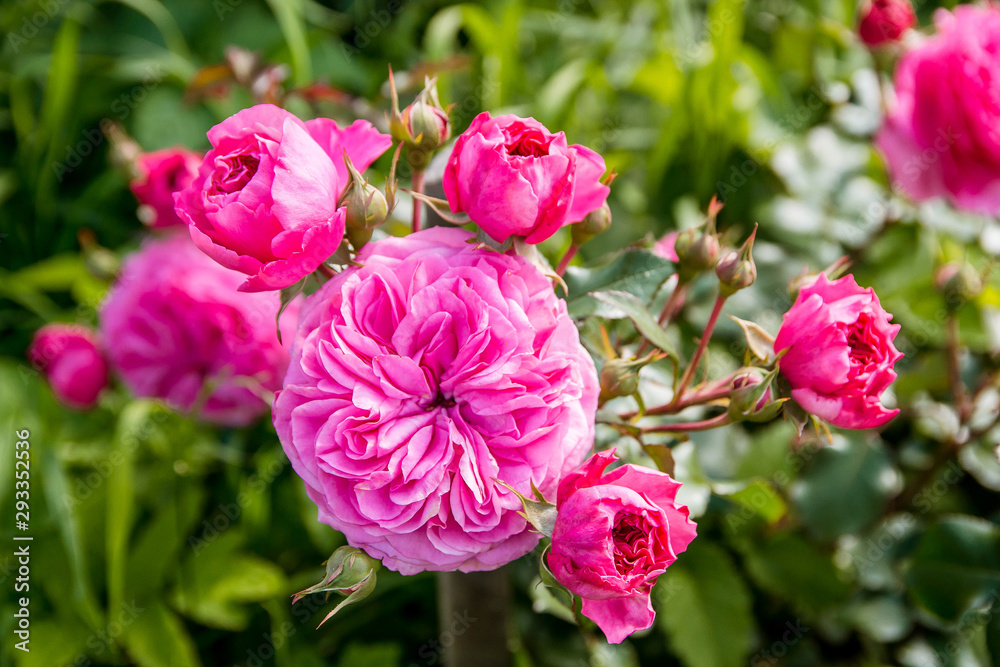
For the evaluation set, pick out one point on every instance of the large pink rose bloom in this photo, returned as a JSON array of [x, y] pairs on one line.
[[159, 175], [176, 326], [942, 135], [265, 199], [839, 352], [515, 178], [419, 379], [70, 357], [615, 533]]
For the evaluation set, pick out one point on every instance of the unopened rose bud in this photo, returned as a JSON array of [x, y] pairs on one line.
[[423, 126], [619, 377], [596, 222], [752, 398], [366, 205], [885, 21], [697, 251], [736, 270]]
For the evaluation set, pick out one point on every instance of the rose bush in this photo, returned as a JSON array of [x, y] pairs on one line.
[[614, 534], [940, 137], [158, 176], [515, 178], [265, 201], [71, 359], [839, 352], [420, 378], [181, 332]]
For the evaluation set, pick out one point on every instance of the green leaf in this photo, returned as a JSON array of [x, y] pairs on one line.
[[761, 498], [956, 565], [156, 637], [845, 487], [645, 322], [704, 607], [793, 569], [637, 272]]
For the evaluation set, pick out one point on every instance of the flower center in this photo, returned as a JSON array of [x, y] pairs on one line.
[[862, 351], [631, 541], [232, 172], [439, 401], [526, 141]]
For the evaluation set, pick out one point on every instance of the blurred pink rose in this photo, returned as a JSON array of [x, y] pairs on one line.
[[884, 21], [665, 247], [265, 199], [161, 174], [420, 378], [176, 326], [941, 135], [615, 533], [515, 178], [70, 357], [839, 354]]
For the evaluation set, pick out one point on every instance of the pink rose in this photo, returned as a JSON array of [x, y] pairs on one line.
[[265, 199], [665, 247], [160, 175], [177, 327], [615, 533], [839, 354], [70, 358], [940, 137], [419, 379], [884, 21], [515, 178]]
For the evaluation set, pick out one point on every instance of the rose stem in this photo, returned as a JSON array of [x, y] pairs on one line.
[[418, 187], [326, 271], [567, 258], [714, 422], [473, 607], [954, 369], [673, 304], [702, 344], [713, 391]]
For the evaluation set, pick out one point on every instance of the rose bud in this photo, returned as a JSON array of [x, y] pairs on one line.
[[265, 201], [885, 21], [422, 127], [839, 352], [939, 136], [365, 204], [158, 176], [752, 398], [737, 270], [515, 178], [619, 377], [70, 357], [596, 222], [615, 533]]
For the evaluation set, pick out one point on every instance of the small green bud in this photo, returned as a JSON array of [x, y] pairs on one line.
[[596, 222], [619, 377], [737, 270]]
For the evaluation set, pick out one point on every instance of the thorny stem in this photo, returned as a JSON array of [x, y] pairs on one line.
[[673, 304], [702, 344], [712, 391], [418, 187], [567, 258]]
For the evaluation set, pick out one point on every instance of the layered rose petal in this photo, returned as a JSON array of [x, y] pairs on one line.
[[71, 358], [838, 352], [418, 380], [614, 534], [940, 137], [180, 327], [264, 201], [515, 178], [159, 175]]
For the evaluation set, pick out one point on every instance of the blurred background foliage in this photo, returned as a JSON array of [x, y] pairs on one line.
[[160, 541]]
